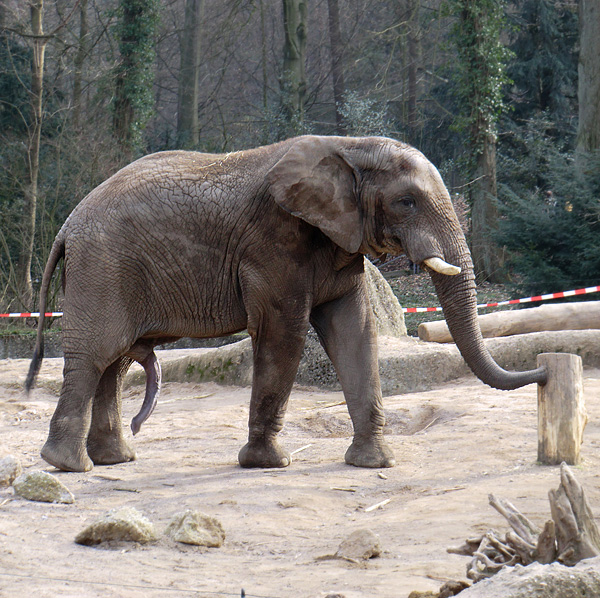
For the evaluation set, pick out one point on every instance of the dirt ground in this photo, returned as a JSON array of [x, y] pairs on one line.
[[454, 445]]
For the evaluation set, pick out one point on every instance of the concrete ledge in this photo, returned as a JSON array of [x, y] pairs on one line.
[[405, 364]]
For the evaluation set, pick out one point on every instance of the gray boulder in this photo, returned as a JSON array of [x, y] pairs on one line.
[[315, 367], [386, 308]]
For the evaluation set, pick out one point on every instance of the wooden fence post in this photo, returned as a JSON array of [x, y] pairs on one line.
[[561, 409]]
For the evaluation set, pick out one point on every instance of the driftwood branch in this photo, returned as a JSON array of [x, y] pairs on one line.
[[522, 526], [570, 536], [545, 551], [577, 535]]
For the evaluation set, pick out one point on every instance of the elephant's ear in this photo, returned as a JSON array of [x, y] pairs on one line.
[[314, 182]]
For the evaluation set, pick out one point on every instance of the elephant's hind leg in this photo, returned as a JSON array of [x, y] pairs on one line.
[[106, 444], [70, 424]]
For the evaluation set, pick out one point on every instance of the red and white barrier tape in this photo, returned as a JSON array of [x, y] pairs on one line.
[[35, 314], [415, 310], [406, 310]]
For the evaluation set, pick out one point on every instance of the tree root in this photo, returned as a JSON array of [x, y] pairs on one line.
[[570, 536]]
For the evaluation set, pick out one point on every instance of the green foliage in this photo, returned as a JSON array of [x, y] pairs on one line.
[[544, 66], [480, 73], [133, 104], [551, 215], [461, 90]]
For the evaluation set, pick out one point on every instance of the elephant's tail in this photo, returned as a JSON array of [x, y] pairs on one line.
[[56, 254]]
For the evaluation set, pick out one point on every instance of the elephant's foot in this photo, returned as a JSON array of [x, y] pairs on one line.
[[264, 453], [110, 451], [372, 451], [63, 456]]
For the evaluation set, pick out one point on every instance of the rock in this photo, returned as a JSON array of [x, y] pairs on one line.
[[42, 487], [315, 367], [10, 469], [542, 581], [386, 308], [194, 527], [360, 545], [125, 524]]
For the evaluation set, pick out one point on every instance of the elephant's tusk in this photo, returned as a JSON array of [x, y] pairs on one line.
[[439, 265]]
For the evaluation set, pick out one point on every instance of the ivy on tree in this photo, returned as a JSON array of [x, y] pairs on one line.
[[134, 75], [480, 78]]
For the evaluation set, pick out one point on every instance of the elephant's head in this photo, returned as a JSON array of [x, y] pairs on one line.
[[375, 195]]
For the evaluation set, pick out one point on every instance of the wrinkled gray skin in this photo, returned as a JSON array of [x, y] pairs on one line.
[[183, 244]]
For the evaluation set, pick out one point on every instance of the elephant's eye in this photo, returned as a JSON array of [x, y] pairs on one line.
[[407, 202]]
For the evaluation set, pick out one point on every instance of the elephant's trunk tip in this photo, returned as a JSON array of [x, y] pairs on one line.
[[514, 380], [542, 373]]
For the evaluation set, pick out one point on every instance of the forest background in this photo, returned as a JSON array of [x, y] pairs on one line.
[[503, 96]]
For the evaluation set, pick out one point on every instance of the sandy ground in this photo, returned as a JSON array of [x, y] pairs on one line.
[[454, 445]]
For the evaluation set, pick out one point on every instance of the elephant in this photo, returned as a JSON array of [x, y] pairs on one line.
[[271, 239]]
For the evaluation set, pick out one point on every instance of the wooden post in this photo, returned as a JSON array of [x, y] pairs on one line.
[[561, 409]]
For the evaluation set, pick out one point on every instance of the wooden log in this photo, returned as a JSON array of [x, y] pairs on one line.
[[561, 409], [584, 315]]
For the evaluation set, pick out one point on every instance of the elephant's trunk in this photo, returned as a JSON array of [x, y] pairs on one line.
[[458, 298]]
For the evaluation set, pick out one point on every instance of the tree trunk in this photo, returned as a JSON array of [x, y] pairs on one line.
[[123, 115], [24, 284], [337, 70], [293, 84], [481, 79], [263, 56], [82, 49], [189, 76], [487, 256], [133, 101], [588, 132], [413, 59]]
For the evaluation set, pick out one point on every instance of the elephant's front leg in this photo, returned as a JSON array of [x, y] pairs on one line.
[[278, 342], [346, 328], [106, 443]]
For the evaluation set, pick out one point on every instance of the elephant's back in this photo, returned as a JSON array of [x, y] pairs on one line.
[[160, 237]]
